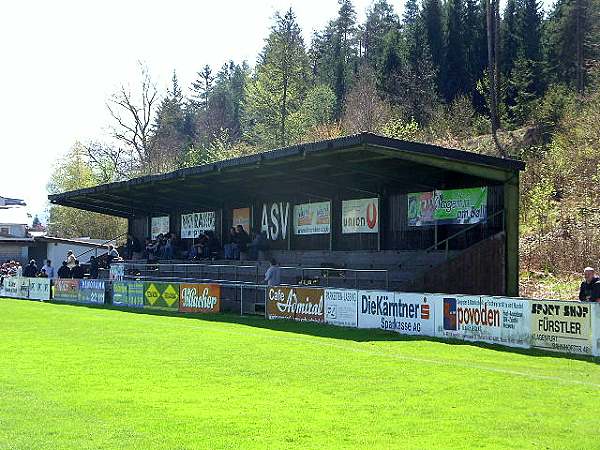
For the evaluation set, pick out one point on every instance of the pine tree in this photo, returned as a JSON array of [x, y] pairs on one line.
[[456, 80], [509, 37], [201, 88], [380, 20], [279, 85], [432, 21]]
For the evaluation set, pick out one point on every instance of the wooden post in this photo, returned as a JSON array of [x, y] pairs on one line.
[[511, 219]]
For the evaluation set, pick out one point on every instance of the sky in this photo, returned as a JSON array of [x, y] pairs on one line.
[[61, 60]]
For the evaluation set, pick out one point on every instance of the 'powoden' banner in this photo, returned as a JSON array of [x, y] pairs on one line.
[[92, 291], [304, 304], [400, 312], [161, 295], [39, 288], [312, 218], [66, 290], [561, 326], [200, 298], [456, 206], [496, 320], [341, 307]]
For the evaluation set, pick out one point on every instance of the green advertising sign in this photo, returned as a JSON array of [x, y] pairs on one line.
[[161, 295], [450, 207], [128, 293]]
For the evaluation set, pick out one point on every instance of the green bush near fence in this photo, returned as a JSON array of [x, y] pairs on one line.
[[88, 378]]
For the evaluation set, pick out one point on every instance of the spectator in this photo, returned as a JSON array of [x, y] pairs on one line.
[[112, 254], [243, 239], [64, 271], [94, 267], [273, 274], [229, 247], [259, 243], [590, 287], [212, 246], [49, 269], [77, 272], [31, 270], [70, 259], [42, 273], [132, 246]]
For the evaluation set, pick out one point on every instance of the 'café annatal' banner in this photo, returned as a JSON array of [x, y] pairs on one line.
[[304, 304]]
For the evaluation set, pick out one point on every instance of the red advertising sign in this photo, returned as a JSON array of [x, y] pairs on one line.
[[200, 298]]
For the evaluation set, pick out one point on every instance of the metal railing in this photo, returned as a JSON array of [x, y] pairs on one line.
[[101, 245], [251, 273], [446, 241]]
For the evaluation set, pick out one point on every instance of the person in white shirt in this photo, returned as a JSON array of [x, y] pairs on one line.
[[273, 274], [49, 269], [70, 259]]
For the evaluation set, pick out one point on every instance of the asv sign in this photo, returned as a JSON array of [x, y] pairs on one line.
[[274, 221], [360, 216]]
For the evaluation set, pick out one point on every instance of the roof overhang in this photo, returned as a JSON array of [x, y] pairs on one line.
[[363, 164]]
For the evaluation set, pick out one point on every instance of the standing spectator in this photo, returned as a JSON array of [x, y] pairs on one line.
[[229, 248], [64, 271], [112, 254], [70, 259], [590, 287], [94, 267], [243, 239], [273, 274], [132, 246], [49, 269], [42, 273], [77, 272], [31, 270], [258, 244]]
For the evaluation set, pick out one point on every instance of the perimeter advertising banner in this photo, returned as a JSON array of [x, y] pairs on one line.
[[92, 291], [400, 312], [312, 218], [241, 216], [596, 329], [496, 320], [23, 291], [360, 216], [66, 290], [39, 288], [561, 326], [304, 304], [194, 224], [341, 307], [128, 293], [11, 287], [159, 225], [200, 298], [161, 295], [455, 206]]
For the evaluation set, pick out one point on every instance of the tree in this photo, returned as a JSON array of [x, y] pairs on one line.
[[202, 87], [133, 113], [279, 85], [431, 15], [509, 37], [365, 110], [74, 172], [456, 80], [380, 20]]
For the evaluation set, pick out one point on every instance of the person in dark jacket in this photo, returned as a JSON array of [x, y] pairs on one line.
[[64, 271], [77, 272], [94, 267], [132, 246], [242, 239], [31, 270], [590, 287]]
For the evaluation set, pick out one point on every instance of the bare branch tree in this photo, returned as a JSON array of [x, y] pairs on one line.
[[133, 114]]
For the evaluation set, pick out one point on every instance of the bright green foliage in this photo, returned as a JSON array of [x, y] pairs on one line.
[[279, 85], [87, 378]]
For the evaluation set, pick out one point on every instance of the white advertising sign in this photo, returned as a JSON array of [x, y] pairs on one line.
[[274, 220], [496, 320], [360, 216], [11, 287], [401, 312], [596, 329], [312, 218], [341, 307], [194, 224], [159, 225], [39, 288]]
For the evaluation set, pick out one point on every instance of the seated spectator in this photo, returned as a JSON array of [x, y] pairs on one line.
[[112, 254], [42, 273], [590, 287], [77, 272], [94, 267], [229, 249], [259, 243], [70, 259], [212, 246], [48, 268], [31, 270], [64, 271]]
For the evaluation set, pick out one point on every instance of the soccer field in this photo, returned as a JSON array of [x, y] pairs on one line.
[[74, 377]]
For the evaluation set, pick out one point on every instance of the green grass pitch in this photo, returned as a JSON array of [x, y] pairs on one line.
[[74, 377]]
